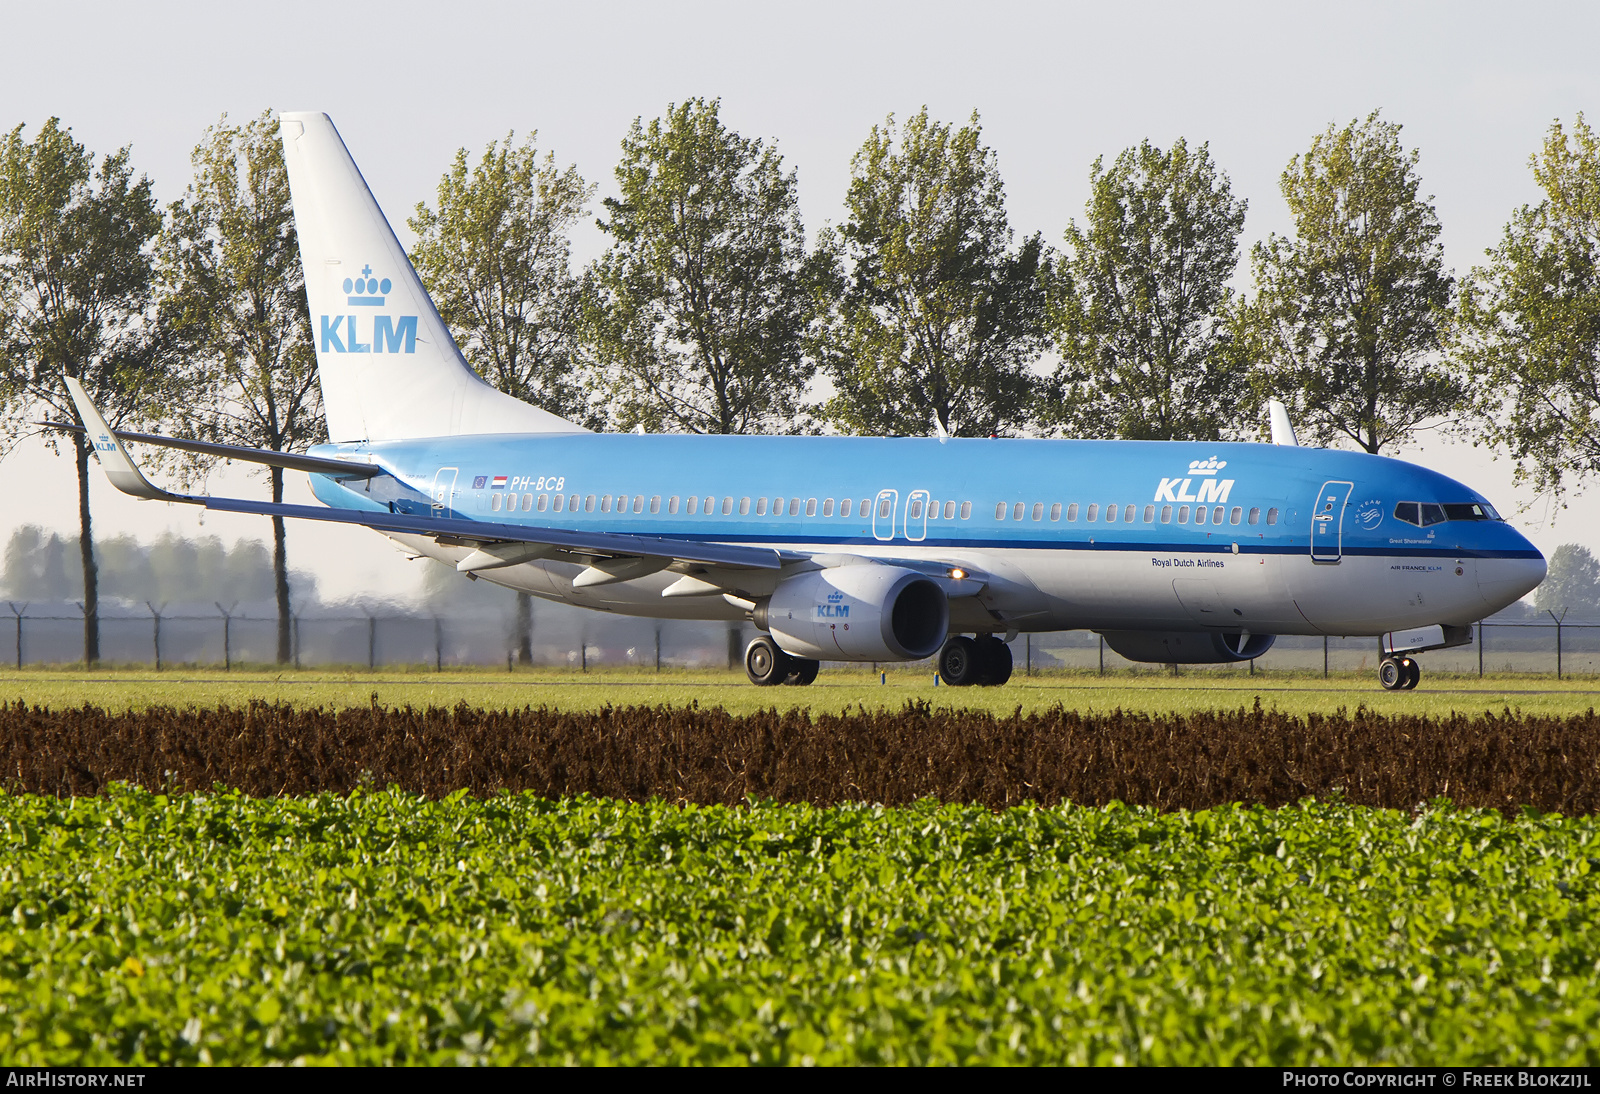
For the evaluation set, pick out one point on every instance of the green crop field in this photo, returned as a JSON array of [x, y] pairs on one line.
[[836, 690], [385, 928]]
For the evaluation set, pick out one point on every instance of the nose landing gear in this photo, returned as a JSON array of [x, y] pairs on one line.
[[1399, 673]]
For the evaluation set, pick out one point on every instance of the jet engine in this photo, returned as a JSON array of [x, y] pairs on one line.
[[1189, 647], [867, 612]]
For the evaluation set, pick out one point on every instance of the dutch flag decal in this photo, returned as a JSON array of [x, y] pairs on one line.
[[499, 483]]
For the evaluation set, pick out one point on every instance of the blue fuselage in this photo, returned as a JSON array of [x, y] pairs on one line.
[[1081, 533]]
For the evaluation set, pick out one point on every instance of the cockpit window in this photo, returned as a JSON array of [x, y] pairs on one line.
[[1427, 513]]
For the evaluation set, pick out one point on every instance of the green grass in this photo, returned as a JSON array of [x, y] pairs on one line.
[[836, 689], [382, 928]]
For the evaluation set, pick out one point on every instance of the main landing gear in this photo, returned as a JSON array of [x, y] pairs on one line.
[[767, 665], [984, 660], [1399, 673]]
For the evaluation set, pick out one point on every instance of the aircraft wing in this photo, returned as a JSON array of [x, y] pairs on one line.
[[611, 556], [294, 461]]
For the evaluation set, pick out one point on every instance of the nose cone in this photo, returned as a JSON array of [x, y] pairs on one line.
[[1504, 581]]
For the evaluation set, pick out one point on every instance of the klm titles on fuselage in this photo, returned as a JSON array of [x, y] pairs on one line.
[[1212, 489], [387, 334]]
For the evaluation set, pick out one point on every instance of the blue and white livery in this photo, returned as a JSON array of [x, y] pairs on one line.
[[853, 548]]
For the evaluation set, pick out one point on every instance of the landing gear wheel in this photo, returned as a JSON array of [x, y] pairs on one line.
[[802, 671], [958, 662], [766, 664], [1391, 674], [994, 661], [1413, 673]]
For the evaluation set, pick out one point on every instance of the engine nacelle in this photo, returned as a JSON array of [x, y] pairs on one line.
[[1189, 647], [857, 613]]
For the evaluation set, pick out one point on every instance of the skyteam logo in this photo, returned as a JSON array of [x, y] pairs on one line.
[[388, 334], [1212, 489]]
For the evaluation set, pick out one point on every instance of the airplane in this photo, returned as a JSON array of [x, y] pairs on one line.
[[850, 548]]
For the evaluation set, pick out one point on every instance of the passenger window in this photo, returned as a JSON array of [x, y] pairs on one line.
[[588, 504], [495, 501], [1255, 514], [811, 507], [1055, 511], [672, 504], [638, 503], [744, 507], [1111, 513], [710, 504], [605, 503], [1038, 510], [914, 510], [949, 510], [1072, 513], [933, 510], [1272, 516], [1199, 514], [844, 508], [1000, 510], [866, 508], [572, 503], [694, 505], [1216, 515], [966, 510], [727, 507], [1166, 514], [1127, 514], [827, 507], [1016, 511], [1149, 514], [655, 503], [761, 507], [1094, 511], [885, 508], [1235, 516], [1183, 514]]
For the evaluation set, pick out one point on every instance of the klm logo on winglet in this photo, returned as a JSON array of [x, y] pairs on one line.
[[387, 334], [1211, 489]]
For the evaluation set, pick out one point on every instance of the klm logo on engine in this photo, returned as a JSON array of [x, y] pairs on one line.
[[1212, 489], [835, 608], [386, 334]]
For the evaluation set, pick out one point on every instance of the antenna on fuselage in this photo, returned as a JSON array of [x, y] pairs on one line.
[[1282, 429]]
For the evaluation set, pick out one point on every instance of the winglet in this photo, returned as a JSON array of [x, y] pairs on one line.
[[1282, 429], [114, 459]]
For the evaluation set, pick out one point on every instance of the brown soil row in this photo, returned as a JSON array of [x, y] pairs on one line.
[[1187, 761]]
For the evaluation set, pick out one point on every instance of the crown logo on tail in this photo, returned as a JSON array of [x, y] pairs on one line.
[[367, 291]]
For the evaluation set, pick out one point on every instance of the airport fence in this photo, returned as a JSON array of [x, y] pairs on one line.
[[577, 639]]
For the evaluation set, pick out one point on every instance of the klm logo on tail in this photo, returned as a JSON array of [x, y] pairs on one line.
[[389, 334]]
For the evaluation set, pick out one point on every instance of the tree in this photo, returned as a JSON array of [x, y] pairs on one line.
[[237, 291], [77, 298], [939, 317], [1527, 333], [1573, 583], [701, 305], [495, 258], [1140, 303], [1350, 310]]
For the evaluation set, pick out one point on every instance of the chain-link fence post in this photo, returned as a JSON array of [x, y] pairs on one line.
[[16, 611]]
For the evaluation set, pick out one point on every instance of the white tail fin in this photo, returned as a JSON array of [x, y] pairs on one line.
[[388, 366]]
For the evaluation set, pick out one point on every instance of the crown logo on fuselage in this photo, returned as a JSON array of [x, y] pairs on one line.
[[367, 291], [1206, 467]]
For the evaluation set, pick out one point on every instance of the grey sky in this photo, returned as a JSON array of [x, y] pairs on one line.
[[1475, 86]]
